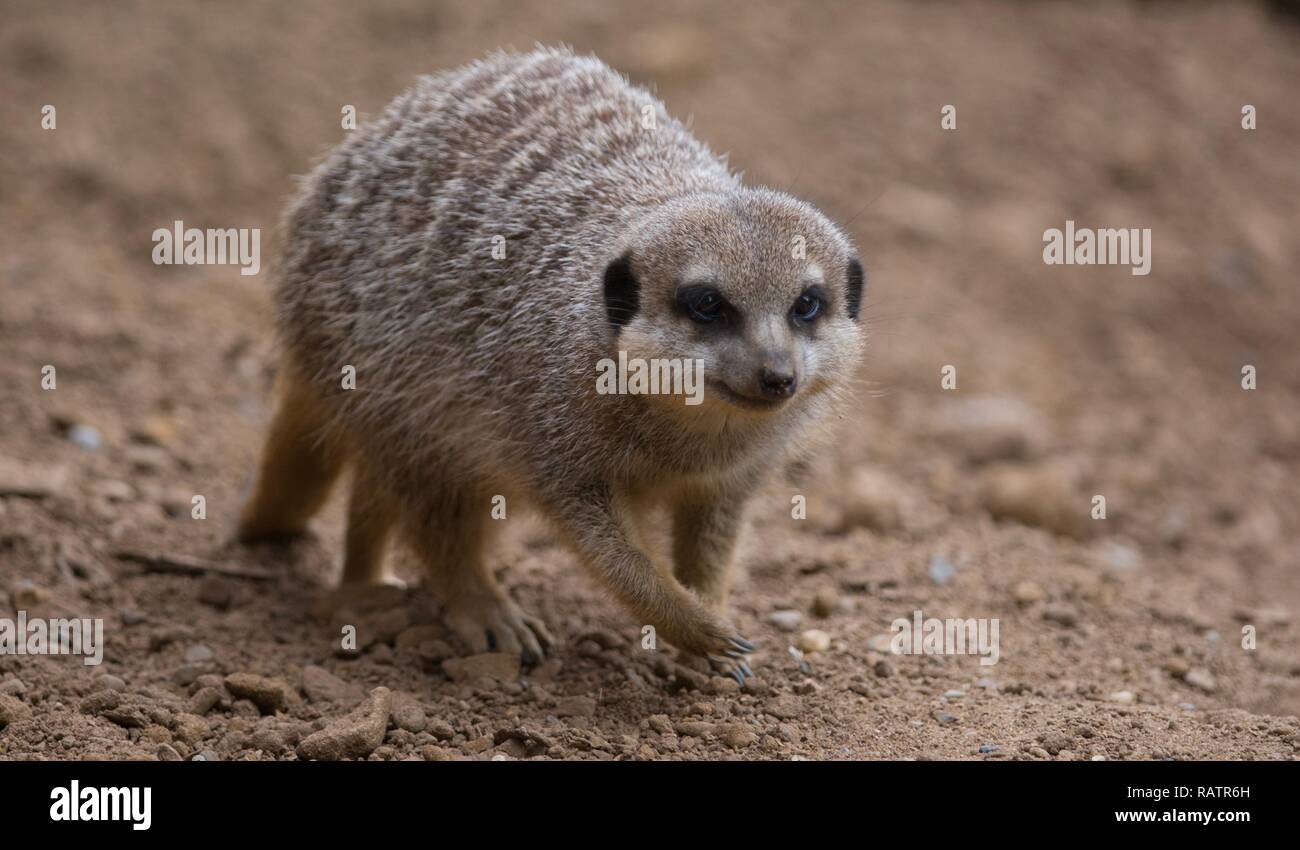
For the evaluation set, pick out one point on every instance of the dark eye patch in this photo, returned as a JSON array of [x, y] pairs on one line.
[[622, 292], [855, 281]]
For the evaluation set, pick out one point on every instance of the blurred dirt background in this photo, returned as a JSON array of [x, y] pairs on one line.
[[1120, 638]]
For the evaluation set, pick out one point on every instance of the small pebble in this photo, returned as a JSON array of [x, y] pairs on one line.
[[814, 640], [787, 620], [941, 569], [86, 437]]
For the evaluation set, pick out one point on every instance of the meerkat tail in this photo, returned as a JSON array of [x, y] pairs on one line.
[[298, 466]]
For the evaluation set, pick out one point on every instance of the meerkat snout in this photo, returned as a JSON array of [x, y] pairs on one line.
[[777, 381]]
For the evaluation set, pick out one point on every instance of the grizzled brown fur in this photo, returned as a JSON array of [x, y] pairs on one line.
[[476, 373]]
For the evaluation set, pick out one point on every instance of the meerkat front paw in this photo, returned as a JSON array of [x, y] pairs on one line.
[[722, 646], [733, 660], [497, 624]]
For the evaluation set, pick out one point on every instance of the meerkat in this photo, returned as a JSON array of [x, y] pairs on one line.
[[471, 255]]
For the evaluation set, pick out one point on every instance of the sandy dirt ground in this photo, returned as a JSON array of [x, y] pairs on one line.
[[1167, 629]]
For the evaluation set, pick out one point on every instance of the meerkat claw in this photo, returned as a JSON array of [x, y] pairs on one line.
[[742, 644], [732, 667]]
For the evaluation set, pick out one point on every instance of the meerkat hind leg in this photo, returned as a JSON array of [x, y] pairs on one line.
[[297, 470], [448, 535], [371, 515]]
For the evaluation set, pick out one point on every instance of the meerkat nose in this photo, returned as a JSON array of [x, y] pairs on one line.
[[776, 383]]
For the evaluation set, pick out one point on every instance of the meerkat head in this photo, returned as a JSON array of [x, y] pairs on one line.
[[760, 289]]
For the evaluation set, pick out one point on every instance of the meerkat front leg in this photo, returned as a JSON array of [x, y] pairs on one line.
[[706, 526], [596, 524]]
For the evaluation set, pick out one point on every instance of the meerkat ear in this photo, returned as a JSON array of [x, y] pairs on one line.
[[854, 300], [622, 292]]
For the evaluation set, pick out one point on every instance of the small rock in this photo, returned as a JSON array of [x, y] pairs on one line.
[[108, 682], [1046, 496], [1119, 558], [814, 640], [1062, 615], [12, 710], [30, 480], [785, 707], [941, 569], [1174, 527], [188, 674], [267, 740], [696, 728], [146, 460], [737, 735], [85, 436], [26, 595], [269, 695], [1199, 677], [724, 685], [353, 737], [156, 430], [1054, 742], [871, 500], [825, 603], [217, 592], [432, 753], [408, 715], [204, 700], [883, 643], [988, 428], [320, 685], [440, 729], [190, 728], [660, 723], [786, 619], [1027, 593], [112, 490]]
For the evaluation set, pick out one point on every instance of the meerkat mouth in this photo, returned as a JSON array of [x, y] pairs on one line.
[[746, 402]]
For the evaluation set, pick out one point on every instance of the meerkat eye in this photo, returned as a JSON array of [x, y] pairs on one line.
[[702, 304], [807, 306]]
